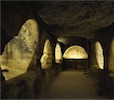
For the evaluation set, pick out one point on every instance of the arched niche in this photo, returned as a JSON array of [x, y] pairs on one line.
[[19, 51], [111, 57], [99, 55], [75, 52], [47, 57], [58, 54]]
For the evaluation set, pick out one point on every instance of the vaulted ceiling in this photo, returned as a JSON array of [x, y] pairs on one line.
[[63, 18]]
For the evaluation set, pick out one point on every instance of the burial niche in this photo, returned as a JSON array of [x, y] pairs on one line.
[[99, 55], [46, 59]]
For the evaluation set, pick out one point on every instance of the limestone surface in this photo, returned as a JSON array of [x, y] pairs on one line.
[[19, 52]]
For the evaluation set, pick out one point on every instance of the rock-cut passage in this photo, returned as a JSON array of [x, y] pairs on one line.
[[71, 84]]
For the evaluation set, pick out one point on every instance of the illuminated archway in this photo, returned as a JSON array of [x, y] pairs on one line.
[[111, 58], [46, 59], [99, 55], [75, 52], [58, 54], [18, 53]]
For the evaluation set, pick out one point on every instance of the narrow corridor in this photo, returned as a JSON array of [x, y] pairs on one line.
[[71, 84]]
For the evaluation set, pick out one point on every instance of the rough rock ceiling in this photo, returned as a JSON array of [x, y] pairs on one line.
[[77, 18], [74, 18]]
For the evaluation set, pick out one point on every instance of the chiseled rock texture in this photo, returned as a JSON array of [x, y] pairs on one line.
[[77, 18], [19, 52], [62, 18]]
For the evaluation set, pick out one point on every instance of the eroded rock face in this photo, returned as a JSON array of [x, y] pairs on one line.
[[46, 59], [19, 52]]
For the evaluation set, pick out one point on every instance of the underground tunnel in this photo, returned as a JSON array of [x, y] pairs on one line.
[[57, 50]]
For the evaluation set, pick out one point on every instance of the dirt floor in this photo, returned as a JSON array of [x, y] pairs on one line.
[[71, 84]]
